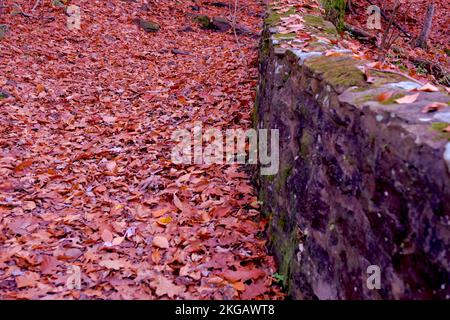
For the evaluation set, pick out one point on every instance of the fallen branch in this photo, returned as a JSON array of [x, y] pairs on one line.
[[233, 26], [36, 4], [397, 73], [21, 12], [361, 34]]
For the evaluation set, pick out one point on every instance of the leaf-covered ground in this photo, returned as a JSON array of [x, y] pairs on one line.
[[410, 17], [86, 179]]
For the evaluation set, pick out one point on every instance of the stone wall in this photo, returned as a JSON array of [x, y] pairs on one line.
[[361, 182]]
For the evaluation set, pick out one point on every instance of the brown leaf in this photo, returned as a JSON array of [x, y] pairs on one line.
[[434, 106], [428, 88], [23, 165], [29, 205], [177, 202], [160, 242], [408, 99], [166, 287], [107, 236], [48, 264], [29, 279], [112, 264]]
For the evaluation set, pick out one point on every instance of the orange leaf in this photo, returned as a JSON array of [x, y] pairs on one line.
[[239, 286], [160, 212], [384, 96], [25, 164]]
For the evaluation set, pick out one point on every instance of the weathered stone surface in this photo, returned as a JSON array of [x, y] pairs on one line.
[[147, 26], [360, 183]]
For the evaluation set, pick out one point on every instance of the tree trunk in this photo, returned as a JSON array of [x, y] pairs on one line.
[[422, 40]]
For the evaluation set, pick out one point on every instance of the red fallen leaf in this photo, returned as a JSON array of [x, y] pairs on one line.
[[434, 106], [166, 287], [384, 96], [69, 254], [220, 212], [23, 165], [100, 189], [447, 129], [235, 276], [48, 264], [254, 290], [29, 279]]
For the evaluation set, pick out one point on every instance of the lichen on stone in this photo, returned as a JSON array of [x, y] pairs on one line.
[[338, 71]]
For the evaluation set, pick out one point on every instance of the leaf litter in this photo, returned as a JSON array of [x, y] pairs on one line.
[[86, 179]]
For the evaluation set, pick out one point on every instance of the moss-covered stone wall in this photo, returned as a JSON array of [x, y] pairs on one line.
[[360, 182]]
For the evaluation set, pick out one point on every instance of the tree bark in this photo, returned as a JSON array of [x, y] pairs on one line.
[[422, 40]]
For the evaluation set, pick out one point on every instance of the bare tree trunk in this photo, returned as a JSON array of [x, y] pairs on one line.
[[422, 40]]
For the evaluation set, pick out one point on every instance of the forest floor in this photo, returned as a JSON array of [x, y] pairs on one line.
[[87, 188], [404, 55]]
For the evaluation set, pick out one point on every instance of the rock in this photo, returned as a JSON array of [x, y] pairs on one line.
[[203, 21], [3, 30], [4, 94], [221, 24], [147, 26]]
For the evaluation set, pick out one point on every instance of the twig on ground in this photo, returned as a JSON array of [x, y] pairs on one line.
[[36, 4], [233, 26], [21, 12]]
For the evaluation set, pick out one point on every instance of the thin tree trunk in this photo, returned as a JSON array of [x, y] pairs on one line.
[[422, 40]]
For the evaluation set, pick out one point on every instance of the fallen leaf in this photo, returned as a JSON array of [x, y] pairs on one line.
[[428, 88], [160, 242], [29, 205], [177, 202], [112, 264], [408, 99], [111, 166], [434, 106], [107, 236], [117, 241], [239, 286], [48, 264], [29, 279], [164, 221], [384, 96], [166, 287], [23, 165], [160, 212]]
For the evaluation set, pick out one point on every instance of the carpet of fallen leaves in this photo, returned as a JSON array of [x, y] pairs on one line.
[[87, 188], [411, 17]]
